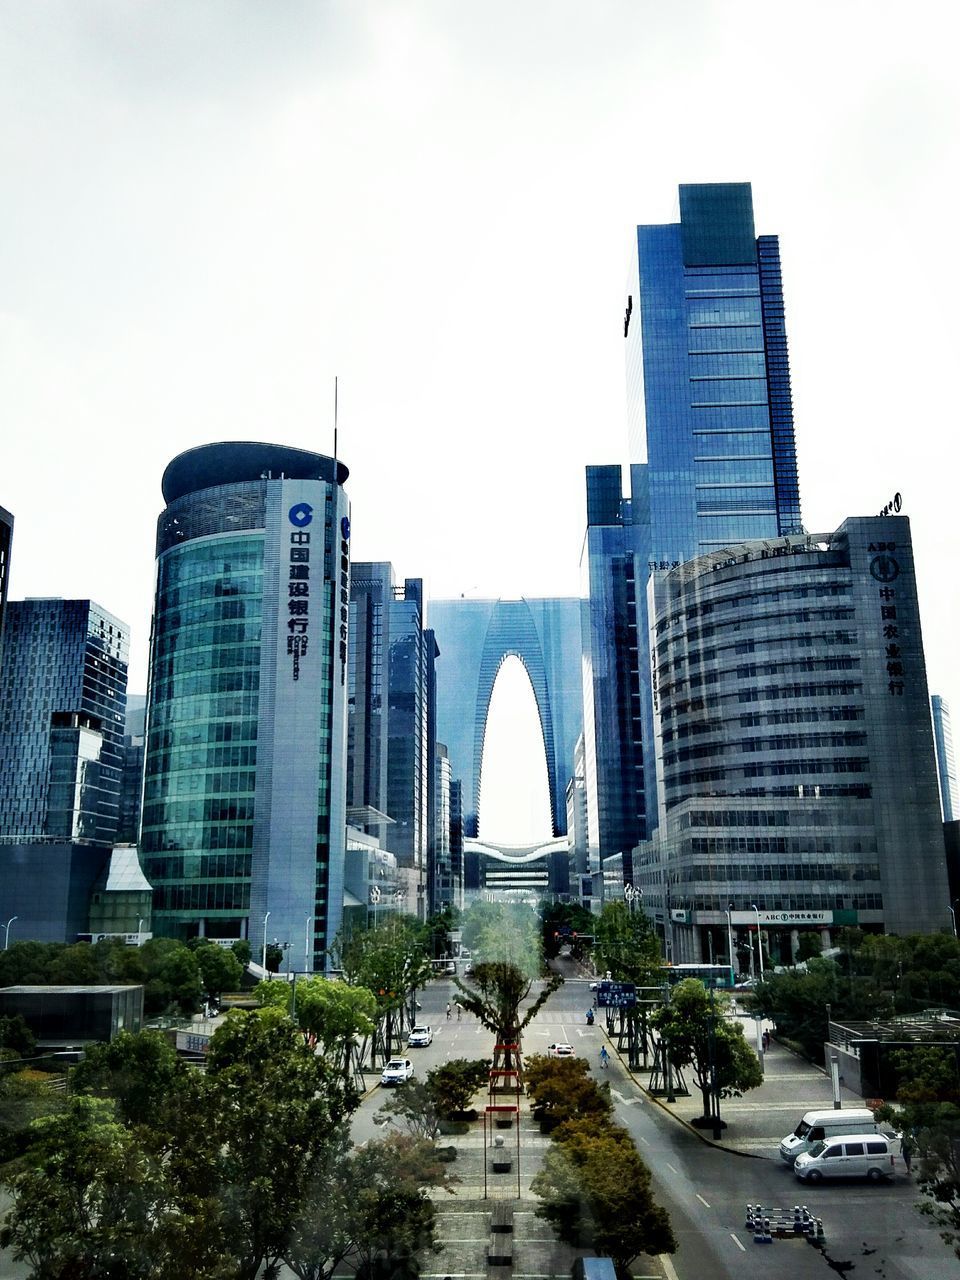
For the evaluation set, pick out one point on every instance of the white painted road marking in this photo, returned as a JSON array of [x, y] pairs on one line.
[[671, 1168], [736, 1241], [705, 1203], [627, 1102]]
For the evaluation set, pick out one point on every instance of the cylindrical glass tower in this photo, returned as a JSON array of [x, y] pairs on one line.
[[244, 793]]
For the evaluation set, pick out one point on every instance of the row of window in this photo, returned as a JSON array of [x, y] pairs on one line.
[[226, 896], [739, 648], [773, 595], [204, 634], [723, 873], [228, 782], [223, 706], [197, 757], [208, 589], [187, 811], [195, 734], [198, 836], [778, 742], [749, 671], [789, 902], [220, 866], [206, 612], [208, 683], [187, 661]]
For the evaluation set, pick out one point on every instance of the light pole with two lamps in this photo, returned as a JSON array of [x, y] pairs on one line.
[[755, 908], [263, 952], [6, 936]]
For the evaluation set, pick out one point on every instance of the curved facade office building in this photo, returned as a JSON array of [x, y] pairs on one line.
[[244, 779], [794, 749]]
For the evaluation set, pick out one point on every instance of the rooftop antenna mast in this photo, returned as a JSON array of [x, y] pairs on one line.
[[335, 381]]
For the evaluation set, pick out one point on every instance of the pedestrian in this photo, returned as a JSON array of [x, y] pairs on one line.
[[459, 1012], [766, 1042], [604, 1056], [906, 1150], [448, 1010]]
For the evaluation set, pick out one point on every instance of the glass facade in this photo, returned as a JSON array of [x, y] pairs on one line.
[[63, 691], [710, 422], [474, 638], [244, 781], [199, 797], [6, 545], [946, 763], [391, 731], [794, 748]]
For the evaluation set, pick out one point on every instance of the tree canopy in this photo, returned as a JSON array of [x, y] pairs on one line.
[[701, 1038]]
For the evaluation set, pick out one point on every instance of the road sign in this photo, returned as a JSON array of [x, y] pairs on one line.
[[616, 995]]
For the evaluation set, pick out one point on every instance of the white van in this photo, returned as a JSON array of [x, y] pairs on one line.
[[817, 1125], [849, 1155]]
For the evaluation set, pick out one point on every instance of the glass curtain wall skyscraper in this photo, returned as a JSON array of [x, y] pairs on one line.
[[244, 781], [63, 688], [713, 460]]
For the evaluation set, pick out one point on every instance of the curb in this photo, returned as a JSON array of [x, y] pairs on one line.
[[707, 1142]]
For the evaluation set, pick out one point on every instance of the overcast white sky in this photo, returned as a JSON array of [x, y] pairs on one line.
[[209, 209]]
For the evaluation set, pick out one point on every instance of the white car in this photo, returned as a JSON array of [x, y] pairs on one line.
[[419, 1037], [560, 1049], [397, 1071]]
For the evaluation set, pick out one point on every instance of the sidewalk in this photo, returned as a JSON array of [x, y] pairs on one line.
[[757, 1121]]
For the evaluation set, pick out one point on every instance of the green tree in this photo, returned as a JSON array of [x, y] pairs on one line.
[[445, 1092], [392, 962], [561, 1089], [809, 946], [337, 1016], [220, 970], [95, 1203], [506, 933], [141, 1073], [563, 924], [23, 1099], [627, 946], [595, 1190], [455, 1082], [498, 990], [928, 1114], [701, 1038], [17, 1037], [241, 949], [273, 1106]]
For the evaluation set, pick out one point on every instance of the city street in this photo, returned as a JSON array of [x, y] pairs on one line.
[[869, 1229]]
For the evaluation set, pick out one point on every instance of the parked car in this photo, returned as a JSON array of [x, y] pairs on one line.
[[560, 1049], [850, 1155], [419, 1037], [397, 1071]]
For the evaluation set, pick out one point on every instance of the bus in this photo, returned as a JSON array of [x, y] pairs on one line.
[[711, 975]]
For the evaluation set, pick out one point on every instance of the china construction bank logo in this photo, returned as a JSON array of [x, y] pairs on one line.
[[300, 515]]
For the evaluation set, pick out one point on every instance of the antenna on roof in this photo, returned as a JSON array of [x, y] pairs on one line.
[[335, 478]]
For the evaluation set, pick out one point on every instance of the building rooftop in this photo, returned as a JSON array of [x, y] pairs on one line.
[[235, 461]]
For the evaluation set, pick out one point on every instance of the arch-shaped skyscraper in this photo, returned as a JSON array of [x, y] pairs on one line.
[[475, 637]]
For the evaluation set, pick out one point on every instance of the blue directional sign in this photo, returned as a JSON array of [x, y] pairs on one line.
[[616, 995]]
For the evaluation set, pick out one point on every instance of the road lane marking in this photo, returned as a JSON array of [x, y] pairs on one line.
[[705, 1203], [625, 1101], [671, 1168], [736, 1241], [669, 1270]]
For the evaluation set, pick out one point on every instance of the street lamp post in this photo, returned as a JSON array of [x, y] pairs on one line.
[[6, 936], [953, 915], [263, 952], [733, 973], [140, 932], [755, 908], [306, 944]]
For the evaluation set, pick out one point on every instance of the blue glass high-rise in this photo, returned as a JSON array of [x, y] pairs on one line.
[[708, 380], [713, 462]]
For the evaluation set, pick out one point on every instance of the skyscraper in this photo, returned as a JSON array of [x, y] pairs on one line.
[[713, 462], [391, 729], [794, 743], [946, 763], [708, 380], [475, 637], [62, 699], [244, 795]]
